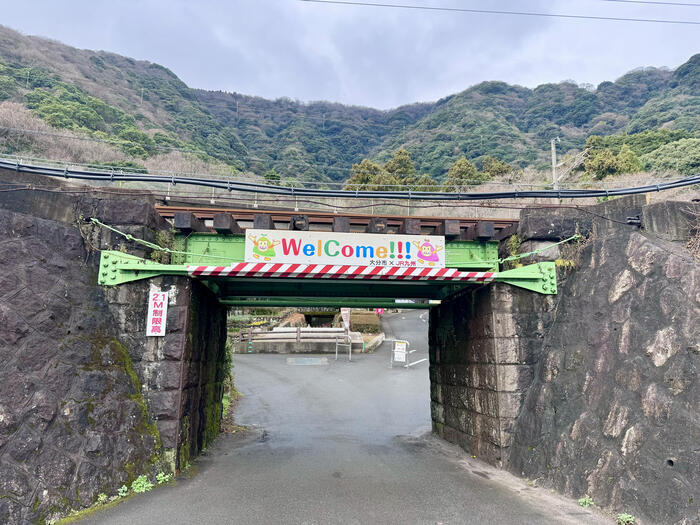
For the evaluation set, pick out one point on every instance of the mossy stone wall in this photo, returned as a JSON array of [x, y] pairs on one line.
[[87, 401]]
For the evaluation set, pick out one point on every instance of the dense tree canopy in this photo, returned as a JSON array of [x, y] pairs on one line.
[[146, 110], [682, 157]]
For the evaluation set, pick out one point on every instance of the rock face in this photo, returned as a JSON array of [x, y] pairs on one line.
[[72, 416], [613, 409], [87, 402], [593, 391]]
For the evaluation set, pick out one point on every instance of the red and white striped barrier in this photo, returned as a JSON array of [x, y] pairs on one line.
[[328, 271]]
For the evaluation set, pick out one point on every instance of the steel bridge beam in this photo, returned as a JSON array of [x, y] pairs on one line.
[[213, 249], [329, 302], [118, 268]]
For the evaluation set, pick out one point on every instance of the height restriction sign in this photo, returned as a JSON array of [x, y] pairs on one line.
[[157, 314]]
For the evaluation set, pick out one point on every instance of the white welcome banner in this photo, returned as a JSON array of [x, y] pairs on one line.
[[353, 249]]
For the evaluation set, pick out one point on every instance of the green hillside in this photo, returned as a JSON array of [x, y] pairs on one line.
[[143, 112]]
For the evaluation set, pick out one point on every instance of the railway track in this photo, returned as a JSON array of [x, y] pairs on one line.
[[235, 220]]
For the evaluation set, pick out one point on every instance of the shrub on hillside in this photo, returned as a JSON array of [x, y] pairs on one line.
[[603, 163], [682, 156]]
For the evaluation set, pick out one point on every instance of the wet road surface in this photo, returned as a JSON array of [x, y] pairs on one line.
[[341, 443]]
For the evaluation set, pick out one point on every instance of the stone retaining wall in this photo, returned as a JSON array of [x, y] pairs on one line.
[[614, 408], [87, 402], [481, 366], [593, 391]]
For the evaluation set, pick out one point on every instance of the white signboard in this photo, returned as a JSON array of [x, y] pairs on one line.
[[352, 249], [400, 350], [157, 314], [345, 314]]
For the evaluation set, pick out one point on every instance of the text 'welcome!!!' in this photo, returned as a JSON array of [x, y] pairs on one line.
[[333, 248], [354, 249]]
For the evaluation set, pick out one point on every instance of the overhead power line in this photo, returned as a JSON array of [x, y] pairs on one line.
[[649, 2], [500, 12]]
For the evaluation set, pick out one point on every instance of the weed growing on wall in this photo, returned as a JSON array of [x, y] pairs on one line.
[[162, 477], [586, 501], [141, 485], [625, 519]]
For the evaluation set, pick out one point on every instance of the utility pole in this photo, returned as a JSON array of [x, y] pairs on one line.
[[554, 162], [141, 104]]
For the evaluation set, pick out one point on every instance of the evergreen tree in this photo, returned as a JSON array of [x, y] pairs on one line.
[[400, 164], [628, 162], [272, 177], [494, 167], [384, 181], [362, 175], [462, 174], [602, 164], [425, 183], [402, 168]]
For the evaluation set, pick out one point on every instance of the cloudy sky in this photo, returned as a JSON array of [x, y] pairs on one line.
[[373, 56]]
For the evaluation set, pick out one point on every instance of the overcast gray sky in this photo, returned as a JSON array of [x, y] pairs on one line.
[[372, 56]]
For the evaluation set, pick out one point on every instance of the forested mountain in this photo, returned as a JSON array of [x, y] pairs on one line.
[[143, 111]]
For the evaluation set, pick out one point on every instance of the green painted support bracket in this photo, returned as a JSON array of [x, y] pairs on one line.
[[540, 277], [119, 268], [472, 255]]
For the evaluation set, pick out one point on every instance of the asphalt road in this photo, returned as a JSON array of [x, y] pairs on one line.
[[341, 443]]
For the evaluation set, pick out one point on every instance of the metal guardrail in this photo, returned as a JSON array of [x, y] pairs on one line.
[[237, 185]]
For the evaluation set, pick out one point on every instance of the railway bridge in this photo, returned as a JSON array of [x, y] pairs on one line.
[[567, 356], [215, 257]]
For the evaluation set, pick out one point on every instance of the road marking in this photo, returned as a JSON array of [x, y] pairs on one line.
[[307, 361]]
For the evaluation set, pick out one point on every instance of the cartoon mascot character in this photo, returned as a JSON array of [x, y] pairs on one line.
[[263, 247], [427, 252]]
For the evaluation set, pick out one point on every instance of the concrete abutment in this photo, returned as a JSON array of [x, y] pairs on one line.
[[182, 372], [481, 365]]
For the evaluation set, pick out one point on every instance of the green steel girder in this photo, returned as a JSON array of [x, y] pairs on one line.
[[212, 248], [118, 268], [329, 302]]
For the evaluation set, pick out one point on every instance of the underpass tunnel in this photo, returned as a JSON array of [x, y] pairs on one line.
[[310, 399], [473, 403], [475, 379], [134, 402]]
